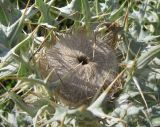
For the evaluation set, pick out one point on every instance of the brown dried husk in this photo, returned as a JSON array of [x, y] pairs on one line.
[[98, 70]]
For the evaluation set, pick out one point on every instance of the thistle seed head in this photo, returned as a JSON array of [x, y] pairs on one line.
[[92, 62]]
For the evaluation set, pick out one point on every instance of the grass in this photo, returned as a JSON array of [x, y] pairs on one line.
[[27, 26]]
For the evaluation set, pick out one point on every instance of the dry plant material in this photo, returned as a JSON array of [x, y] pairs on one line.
[[112, 34], [88, 61]]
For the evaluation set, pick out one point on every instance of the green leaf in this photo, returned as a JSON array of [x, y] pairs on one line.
[[156, 121], [10, 35], [19, 101], [155, 115], [72, 10], [59, 115], [117, 13], [44, 8], [8, 13], [146, 57], [86, 11], [152, 16], [10, 23], [148, 38], [6, 33], [7, 70], [133, 110]]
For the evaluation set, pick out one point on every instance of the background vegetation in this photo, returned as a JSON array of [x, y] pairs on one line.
[[26, 26]]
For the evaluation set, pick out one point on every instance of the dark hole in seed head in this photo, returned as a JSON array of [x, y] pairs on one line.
[[83, 59]]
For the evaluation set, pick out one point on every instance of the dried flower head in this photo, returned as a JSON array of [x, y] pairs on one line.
[[92, 62]]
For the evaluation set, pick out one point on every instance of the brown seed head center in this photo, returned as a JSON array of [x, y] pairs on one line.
[[83, 59]]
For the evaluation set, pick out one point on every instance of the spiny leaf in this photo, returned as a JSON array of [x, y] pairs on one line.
[[45, 12], [18, 100], [146, 57]]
